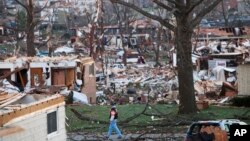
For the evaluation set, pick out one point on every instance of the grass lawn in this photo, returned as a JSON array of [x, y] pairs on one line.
[[170, 111]]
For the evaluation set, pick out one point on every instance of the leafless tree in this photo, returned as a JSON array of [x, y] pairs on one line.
[[159, 42], [247, 6], [31, 23], [124, 17], [186, 18], [91, 39]]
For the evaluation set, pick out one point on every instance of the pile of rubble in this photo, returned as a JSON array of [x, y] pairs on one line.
[[47, 75], [215, 79], [159, 85]]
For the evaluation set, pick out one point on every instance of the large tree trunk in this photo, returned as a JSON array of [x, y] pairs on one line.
[[224, 13], [30, 38], [185, 67], [30, 25]]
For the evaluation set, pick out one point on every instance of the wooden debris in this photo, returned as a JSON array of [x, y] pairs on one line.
[[11, 100]]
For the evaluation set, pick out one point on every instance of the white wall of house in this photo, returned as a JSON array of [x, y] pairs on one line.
[[243, 76], [34, 126]]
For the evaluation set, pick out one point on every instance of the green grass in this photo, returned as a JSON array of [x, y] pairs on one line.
[[102, 113]]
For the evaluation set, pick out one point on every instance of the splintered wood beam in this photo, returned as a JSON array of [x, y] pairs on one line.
[[21, 78], [19, 96], [3, 93], [13, 72], [6, 97], [10, 97]]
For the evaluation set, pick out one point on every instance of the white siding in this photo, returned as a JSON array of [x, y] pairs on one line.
[[244, 79], [35, 127]]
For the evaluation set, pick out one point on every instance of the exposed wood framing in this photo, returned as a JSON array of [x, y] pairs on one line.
[[21, 78], [6, 98], [13, 72], [6, 117], [13, 99]]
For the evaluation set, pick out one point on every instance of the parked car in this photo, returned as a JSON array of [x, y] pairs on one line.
[[194, 129]]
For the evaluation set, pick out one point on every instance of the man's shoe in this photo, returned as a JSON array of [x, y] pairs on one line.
[[120, 137]]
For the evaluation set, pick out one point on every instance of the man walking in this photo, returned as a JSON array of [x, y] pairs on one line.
[[113, 116]]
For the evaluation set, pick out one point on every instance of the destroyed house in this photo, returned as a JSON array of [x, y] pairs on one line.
[[32, 117], [71, 72]]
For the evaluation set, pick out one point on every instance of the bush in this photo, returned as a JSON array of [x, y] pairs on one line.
[[241, 101]]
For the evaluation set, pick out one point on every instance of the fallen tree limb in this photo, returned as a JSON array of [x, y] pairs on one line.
[[161, 124], [126, 121], [82, 117], [134, 117]]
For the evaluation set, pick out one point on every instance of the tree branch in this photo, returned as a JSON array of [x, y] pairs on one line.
[[163, 5], [82, 117], [154, 17], [42, 8], [24, 6], [203, 12], [193, 5], [175, 2]]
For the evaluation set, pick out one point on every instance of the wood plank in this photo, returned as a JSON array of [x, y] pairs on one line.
[[8, 99], [19, 96], [21, 78], [3, 93], [13, 72], [5, 97]]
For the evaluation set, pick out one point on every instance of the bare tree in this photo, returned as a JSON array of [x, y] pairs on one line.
[[159, 42], [247, 6], [91, 39], [159, 38], [31, 22], [186, 20], [19, 30], [124, 18]]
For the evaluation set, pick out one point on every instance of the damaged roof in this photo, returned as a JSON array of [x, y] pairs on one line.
[[17, 105]]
